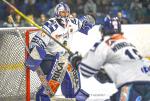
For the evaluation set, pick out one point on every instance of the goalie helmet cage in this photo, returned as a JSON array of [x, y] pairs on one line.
[[17, 83]]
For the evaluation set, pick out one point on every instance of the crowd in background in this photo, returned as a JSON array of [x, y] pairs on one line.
[[129, 11]]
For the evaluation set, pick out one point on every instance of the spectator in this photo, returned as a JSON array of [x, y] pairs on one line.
[[147, 14], [43, 6], [73, 15], [28, 24], [123, 19], [41, 20], [18, 20], [1, 22], [30, 7], [90, 8], [9, 22], [105, 6], [137, 10], [80, 7]]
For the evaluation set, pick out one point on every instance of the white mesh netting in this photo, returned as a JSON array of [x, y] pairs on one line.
[[12, 70]]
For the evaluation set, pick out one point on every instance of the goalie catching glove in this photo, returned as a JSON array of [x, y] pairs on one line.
[[75, 59]]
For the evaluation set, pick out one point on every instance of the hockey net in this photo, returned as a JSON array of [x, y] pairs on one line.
[[17, 82]]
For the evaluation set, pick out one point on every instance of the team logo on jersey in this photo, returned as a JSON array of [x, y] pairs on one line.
[[145, 69]]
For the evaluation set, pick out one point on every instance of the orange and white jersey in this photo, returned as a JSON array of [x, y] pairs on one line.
[[119, 58]]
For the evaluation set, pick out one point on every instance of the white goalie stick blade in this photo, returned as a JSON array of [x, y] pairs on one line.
[[90, 19]]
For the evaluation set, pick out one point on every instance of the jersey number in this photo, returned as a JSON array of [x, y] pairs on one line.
[[132, 54]]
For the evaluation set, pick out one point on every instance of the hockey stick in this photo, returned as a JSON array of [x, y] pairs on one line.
[[36, 25]]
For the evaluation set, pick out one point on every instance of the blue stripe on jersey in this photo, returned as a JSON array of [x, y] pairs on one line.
[[86, 71], [90, 68], [50, 27], [45, 28], [39, 41]]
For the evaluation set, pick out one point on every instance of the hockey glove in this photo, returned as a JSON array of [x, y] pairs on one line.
[[75, 59], [85, 28], [87, 23], [102, 77]]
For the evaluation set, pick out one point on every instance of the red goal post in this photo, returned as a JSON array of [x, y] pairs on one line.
[[17, 82], [27, 41]]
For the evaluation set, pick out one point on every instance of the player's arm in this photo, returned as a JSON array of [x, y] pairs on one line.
[[50, 26], [91, 63], [37, 46], [83, 24], [102, 76], [86, 23], [37, 50]]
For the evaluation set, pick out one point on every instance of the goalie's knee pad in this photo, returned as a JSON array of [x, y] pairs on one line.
[[40, 96]]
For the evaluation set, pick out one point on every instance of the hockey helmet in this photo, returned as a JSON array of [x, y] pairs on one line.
[[62, 10], [111, 26]]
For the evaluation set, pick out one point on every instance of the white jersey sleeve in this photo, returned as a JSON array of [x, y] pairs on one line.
[[50, 26]]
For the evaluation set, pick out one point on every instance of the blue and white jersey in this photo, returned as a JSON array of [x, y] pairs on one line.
[[119, 58], [58, 29]]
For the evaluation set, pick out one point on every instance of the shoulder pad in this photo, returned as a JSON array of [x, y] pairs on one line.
[[50, 26]]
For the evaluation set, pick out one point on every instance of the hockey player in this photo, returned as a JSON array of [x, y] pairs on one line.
[[120, 60], [47, 54]]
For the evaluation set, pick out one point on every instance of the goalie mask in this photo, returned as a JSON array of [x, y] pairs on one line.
[[62, 10], [111, 26]]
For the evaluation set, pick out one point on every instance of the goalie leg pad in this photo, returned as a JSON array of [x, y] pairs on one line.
[[48, 63], [40, 96], [36, 56], [66, 87], [68, 90]]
